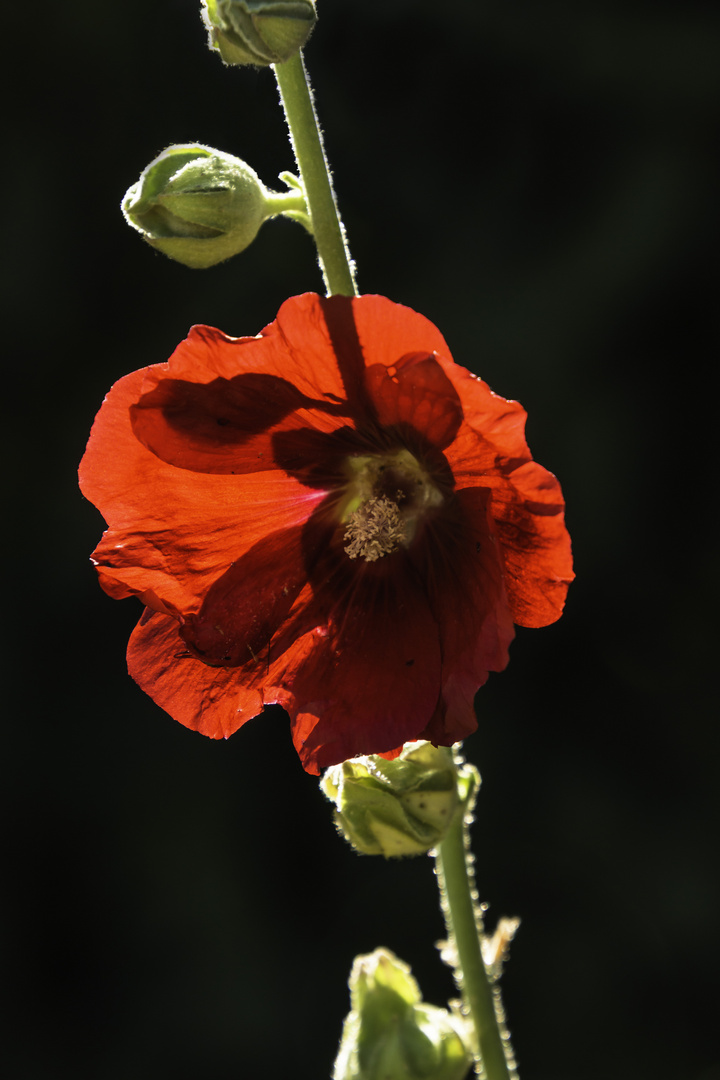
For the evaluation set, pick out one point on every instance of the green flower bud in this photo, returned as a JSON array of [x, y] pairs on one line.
[[391, 1034], [258, 31], [201, 206], [392, 808]]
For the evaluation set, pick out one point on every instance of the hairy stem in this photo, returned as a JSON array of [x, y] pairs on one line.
[[334, 257], [464, 926]]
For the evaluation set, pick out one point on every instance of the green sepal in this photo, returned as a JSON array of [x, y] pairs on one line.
[[258, 32]]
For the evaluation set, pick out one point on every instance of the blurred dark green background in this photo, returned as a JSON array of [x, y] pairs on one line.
[[539, 179]]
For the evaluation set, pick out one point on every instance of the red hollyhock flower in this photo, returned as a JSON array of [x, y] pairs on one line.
[[332, 516]]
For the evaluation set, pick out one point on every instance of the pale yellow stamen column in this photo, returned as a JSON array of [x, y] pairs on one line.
[[374, 530]]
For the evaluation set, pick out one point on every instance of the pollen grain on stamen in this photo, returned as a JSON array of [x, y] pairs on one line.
[[374, 529]]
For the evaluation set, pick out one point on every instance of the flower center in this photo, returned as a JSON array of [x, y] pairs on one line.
[[385, 498]]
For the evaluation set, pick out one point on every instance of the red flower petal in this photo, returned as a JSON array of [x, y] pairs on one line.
[[530, 523], [386, 331], [295, 347], [210, 700], [526, 501], [364, 331]]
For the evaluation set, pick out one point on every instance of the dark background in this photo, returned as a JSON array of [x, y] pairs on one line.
[[538, 179]]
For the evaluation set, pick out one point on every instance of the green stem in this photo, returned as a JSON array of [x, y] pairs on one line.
[[306, 140], [464, 925]]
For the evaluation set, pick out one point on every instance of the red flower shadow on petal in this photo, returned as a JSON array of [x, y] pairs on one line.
[[416, 393], [225, 426], [245, 606]]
